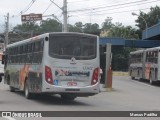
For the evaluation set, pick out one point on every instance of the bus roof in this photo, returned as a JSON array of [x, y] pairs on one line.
[[27, 40], [44, 35], [137, 52], [152, 49]]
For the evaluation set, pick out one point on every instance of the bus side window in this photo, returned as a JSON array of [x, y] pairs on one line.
[[42, 44], [156, 57], [29, 55], [33, 47]]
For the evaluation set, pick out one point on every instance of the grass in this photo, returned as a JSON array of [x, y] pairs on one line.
[[119, 73]]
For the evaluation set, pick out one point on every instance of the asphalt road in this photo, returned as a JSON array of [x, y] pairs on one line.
[[126, 95]]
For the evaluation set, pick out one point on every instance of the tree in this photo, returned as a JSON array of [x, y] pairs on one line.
[[50, 25], [151, 18], [107, 24], [77, 27], [91, 28], [120, 31], [28, 27], [121, 54]]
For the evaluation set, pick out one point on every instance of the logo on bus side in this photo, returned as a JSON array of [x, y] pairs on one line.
[[61, 72], [73, 60]]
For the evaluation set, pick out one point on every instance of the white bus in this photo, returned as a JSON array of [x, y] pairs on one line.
[[54, 63], [145, 64]]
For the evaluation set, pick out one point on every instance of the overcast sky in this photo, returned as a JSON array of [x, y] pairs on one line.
[[86, 11]]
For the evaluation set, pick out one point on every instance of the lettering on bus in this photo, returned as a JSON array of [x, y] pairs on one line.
[[87, 68], [61, 72]]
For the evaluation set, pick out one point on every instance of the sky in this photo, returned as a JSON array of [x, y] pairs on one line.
[[86, 11]]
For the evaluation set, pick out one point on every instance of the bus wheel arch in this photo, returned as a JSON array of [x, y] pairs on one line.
[[139, 75], [131, 74], [151, 79], [11, 88], [8, 79]]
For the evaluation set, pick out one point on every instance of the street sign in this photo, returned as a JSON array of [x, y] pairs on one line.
[[31, 17]]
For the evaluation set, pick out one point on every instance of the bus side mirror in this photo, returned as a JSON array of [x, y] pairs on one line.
[[3, 59]]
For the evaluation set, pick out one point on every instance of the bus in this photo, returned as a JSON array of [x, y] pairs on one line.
[[145, 64], [54, 63]]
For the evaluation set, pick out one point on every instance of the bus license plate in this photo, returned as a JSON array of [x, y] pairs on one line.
[[72, 84]]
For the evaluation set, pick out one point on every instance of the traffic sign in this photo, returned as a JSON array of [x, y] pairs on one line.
[[31, 17]]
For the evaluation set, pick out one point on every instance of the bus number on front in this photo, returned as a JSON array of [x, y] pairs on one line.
[[87, 67]]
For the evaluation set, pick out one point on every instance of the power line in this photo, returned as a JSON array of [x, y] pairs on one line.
[[122, 11], [56, 4], [94, 8], [47, 7], [79, 1], [125, 6], [88, 13], [29, 6], [26, 9]]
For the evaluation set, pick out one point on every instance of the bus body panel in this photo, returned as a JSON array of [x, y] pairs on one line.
[[70, 74], [77, 75]]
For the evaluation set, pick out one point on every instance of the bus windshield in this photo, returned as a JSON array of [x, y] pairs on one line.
[[68, 46]]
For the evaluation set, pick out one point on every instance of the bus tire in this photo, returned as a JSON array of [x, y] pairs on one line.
[[139, 76], [132, 77], [68, 97], [0, 78], [8, 79], [27, 93], [12, 89], [150, 79]]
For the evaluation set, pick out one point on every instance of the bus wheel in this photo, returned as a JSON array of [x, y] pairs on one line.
[[150, 79], [12, 89], [132, 77], [28, 95], [0, 78], [68, 97]]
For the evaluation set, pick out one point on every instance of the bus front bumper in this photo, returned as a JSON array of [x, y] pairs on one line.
[[79, 91]]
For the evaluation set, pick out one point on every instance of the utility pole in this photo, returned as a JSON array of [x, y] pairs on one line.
[[64, 12], [108, 71], [7, 30], [65, 16]]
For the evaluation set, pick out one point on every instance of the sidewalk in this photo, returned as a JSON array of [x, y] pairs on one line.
[[102, 89]]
